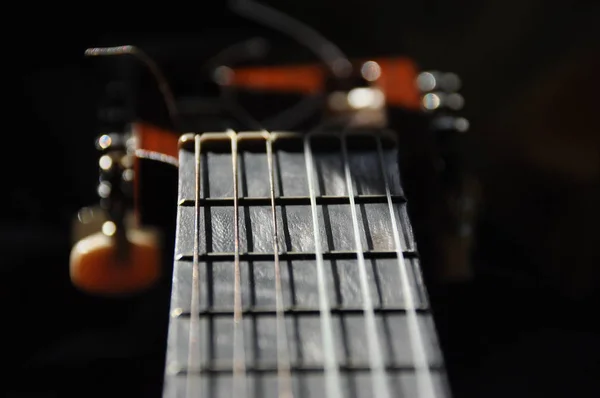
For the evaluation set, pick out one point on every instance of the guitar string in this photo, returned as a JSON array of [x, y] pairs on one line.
[[379, 383], [159, 77], [239, 354], [332, 373], [283, 360], [192, 387], [422, 371]]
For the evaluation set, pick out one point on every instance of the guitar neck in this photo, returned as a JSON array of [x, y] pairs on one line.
[[296, 272]]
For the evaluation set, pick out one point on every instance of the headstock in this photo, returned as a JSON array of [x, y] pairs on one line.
[[359, 91], [394, 76]]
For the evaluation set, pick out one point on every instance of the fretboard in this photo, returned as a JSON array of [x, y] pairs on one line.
[[317, 292]]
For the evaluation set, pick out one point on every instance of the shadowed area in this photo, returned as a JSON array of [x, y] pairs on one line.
[[514, 303]]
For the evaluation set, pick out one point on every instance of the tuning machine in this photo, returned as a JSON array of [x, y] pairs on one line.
[[112, 254], [442, 101], [357, 99], [441, 97]]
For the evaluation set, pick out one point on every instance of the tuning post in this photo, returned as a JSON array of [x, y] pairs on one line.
[[357, 99], [110, 141]]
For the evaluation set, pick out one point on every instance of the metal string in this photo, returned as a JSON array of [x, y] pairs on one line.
[[379, 383], [154, 69], [422, 371], [192, 383], [283, 360], [330, 364], [152, 155], [239, 354]]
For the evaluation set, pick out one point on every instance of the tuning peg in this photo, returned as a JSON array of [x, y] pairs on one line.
[[441, 101], [105, 264], [427, 81], [99, 266]]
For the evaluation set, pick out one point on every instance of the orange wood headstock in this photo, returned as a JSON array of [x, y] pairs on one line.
[[395, 76], [95, 264]]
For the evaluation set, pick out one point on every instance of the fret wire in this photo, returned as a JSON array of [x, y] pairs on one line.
[[266, 368], [239, 354], [295, 311], [330, 364], [378, 383], [423, 373], [292, 200], [192, 383], [289, 256], [283, 360]]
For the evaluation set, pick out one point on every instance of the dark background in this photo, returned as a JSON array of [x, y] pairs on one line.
[[515, 319]]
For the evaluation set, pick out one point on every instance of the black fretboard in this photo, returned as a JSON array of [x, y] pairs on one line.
[[381, 336]]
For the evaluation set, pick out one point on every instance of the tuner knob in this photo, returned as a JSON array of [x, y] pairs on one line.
[[99, 266], [112, 256]]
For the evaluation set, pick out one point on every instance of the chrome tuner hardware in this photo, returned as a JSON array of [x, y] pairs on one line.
[[112, 255], [440, 96], [358, 99], [443, 103], [115, 187]]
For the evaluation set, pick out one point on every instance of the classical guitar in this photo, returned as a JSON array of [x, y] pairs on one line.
[[295, 271]]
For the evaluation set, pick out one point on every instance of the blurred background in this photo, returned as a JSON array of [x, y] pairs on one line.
[[515, 298]]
